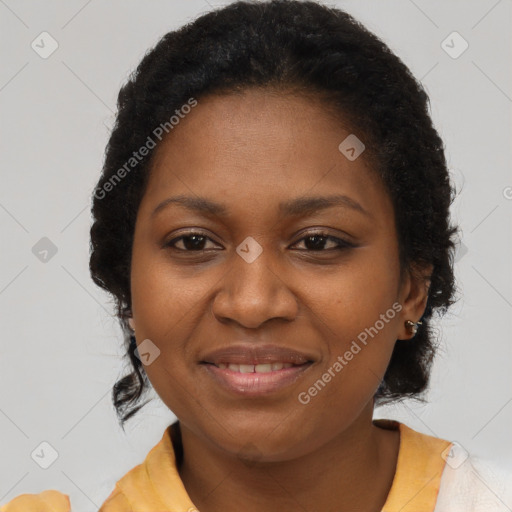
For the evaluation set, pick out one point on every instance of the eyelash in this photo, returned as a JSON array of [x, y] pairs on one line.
[[341, 244]]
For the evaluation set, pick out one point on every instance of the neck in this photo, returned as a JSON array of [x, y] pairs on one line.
[[352, 471]]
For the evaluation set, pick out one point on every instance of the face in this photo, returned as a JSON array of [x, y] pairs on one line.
[[270, 290]]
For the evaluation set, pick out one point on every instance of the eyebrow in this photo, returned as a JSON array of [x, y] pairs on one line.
[[299, 206]]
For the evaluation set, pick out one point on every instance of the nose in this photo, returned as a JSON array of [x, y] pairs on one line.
[[253, 293]]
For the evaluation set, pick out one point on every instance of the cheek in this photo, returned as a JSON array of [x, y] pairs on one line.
[[359, 347], [356, 309], [166, 296], [168, 305], [352, 296]]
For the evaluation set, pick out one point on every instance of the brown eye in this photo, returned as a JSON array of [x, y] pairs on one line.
[[318, 241], [190, 242]]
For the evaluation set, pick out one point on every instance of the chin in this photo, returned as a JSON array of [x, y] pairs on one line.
[[260, 440]]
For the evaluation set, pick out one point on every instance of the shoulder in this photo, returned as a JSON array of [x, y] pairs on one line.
[[46, 501], [136, 489], [116, 502], [55, 501], [473, 484]]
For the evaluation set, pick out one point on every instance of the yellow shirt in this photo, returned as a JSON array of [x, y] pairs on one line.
[[156, 485]]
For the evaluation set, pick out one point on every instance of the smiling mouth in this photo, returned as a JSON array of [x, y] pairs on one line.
[[256, 368], [253, 370], [256, 380]]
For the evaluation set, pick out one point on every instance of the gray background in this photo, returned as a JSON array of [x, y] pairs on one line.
[[61, 347]]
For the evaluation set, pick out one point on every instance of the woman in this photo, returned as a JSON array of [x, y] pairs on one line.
[[273, 222]]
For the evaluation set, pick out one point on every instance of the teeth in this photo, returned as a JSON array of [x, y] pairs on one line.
[[280, 366], [251, 368], [263, 368]]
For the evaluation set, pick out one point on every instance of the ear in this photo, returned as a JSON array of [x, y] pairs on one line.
[[413, 297], [131, 323]]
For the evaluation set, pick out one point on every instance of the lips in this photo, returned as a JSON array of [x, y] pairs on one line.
[[256, 370], [251, 355]]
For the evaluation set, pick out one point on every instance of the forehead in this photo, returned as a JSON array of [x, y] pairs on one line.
[[259, 147]]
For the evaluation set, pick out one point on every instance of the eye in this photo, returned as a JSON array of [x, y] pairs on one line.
[[191, 242], [196, 242], [317, 242]]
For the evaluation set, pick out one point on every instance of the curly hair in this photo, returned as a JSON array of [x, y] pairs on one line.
[[292, 46]]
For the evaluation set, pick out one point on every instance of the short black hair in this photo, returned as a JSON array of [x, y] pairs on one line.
[[303, 47]]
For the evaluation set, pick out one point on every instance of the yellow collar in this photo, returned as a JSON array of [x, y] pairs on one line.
[[156, 484], [418, 472]]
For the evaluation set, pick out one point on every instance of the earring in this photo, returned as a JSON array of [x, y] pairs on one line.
[[413, 326]]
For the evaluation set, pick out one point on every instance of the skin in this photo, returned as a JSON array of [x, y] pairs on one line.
[[251, 151]]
